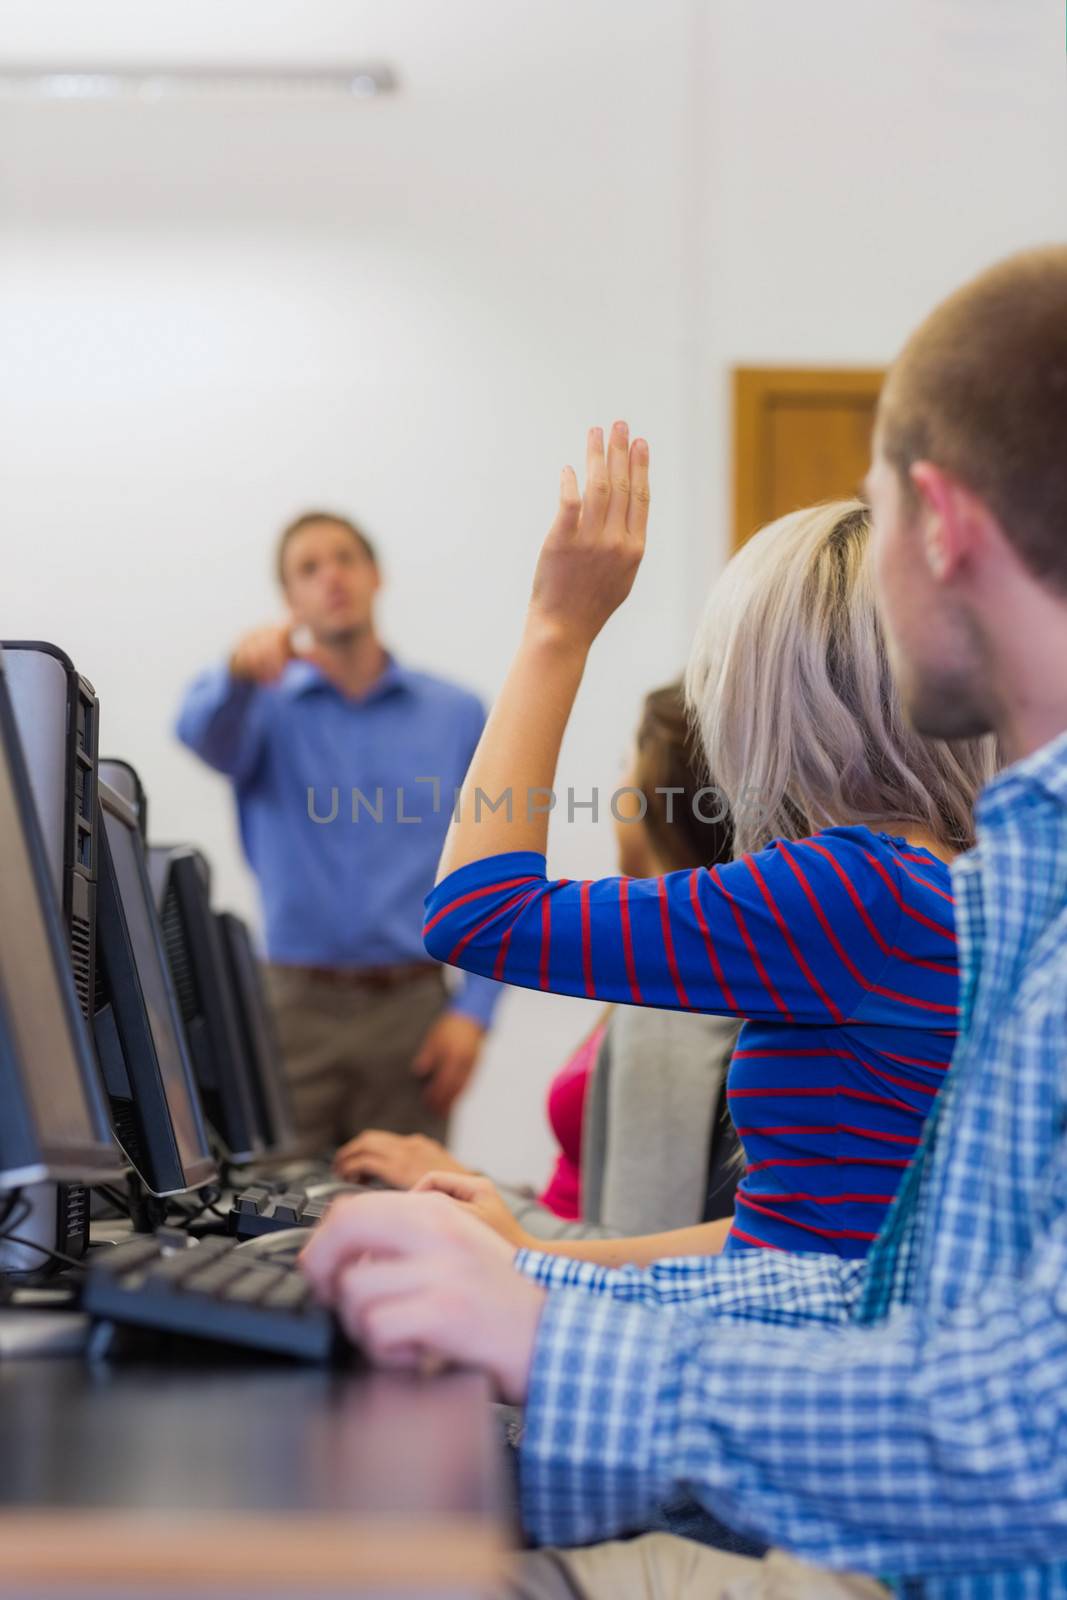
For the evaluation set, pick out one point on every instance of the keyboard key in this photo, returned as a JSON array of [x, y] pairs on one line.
[[172, 1268], [213, 1278], [289, 1207], [292, 1292], [253, 1284]]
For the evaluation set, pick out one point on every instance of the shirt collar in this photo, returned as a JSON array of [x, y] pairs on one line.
[[1041, 775], [303, 677]]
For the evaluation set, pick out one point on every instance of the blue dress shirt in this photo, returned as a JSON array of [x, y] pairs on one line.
[[343, 806]]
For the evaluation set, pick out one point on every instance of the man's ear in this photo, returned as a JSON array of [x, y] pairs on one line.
[[949, 517]]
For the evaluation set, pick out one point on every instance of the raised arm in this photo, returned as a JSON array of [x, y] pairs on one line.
[[221, 720], [800, 932], [223, 716], [586, 569]]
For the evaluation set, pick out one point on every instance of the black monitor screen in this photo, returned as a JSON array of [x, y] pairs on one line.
[[197, 960], [274, 1112], [156, 993], [43, 1022]]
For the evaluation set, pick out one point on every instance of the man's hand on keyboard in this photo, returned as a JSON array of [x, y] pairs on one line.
[[413, 1277]]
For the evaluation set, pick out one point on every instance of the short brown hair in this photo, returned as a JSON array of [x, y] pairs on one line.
[[669, 757], [980, 389], [307, 519]]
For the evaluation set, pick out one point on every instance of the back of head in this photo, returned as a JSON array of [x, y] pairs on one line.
[[669, 771], [980, 390], [790, 685]]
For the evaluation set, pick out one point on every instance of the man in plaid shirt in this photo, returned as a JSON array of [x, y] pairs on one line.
[[903, 1417]]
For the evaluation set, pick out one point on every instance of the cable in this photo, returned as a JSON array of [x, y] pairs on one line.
[[119, 1201], [209, 1196], [9, 1221], [45, 1250], [14, 1199]]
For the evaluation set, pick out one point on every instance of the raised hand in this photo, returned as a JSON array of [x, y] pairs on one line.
[[585, 571], [590, 558], [262, 655]]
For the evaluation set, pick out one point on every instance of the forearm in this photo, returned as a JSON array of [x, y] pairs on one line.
[[215, 721], [907, 1448], [518, 752], [706, 1239], [542, 1228]]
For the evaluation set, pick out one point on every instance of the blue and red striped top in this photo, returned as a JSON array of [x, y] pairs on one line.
[[838, 950]]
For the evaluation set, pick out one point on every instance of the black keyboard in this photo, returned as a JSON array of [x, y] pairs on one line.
[[211, 1290], [260, 1209]]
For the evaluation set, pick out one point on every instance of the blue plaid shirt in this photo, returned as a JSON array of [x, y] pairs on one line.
[[920, 1429]]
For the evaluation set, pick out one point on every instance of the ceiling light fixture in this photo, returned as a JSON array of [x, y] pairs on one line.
[[357, 82]]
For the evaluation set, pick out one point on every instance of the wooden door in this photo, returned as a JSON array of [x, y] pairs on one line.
[[801, 435]]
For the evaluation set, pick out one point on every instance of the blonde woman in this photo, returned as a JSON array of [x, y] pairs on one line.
[[831, 933], [637, 1108]]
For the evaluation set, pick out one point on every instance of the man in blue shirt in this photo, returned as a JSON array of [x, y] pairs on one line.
[[345, 766], [900, 1420]]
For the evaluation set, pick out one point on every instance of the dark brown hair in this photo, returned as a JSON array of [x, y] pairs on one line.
[[980, 390], [306, 520], [668, 757]]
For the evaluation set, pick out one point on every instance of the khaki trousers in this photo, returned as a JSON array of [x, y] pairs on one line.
[[660, 1566], [348, 1054]]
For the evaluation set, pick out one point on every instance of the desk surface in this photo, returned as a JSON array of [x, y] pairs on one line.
[[211, 1479]]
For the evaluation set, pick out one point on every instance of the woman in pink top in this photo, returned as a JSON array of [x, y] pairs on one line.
[[653, 838], [567, 1095]]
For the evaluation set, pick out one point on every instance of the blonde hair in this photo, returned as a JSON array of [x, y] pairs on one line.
[[790, 688]]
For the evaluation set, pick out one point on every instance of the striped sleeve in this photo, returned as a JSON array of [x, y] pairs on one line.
[[822, 931]]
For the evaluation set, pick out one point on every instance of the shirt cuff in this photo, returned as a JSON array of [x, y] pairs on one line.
[[561, 1272], [477, 998], [589, 1465]]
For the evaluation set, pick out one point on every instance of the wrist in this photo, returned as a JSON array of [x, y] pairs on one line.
[[512, 1371], [556, 639]]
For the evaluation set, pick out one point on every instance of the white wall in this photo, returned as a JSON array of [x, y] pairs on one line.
[[863, 158], [213, 315]]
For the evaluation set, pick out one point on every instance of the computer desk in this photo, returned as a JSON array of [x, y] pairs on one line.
[[164, 1479]]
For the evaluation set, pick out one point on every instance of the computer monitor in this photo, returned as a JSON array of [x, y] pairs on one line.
[[181, 882], [56, 713], [54, 1125], [139, 1037], [125, 780], [270, 1086]]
